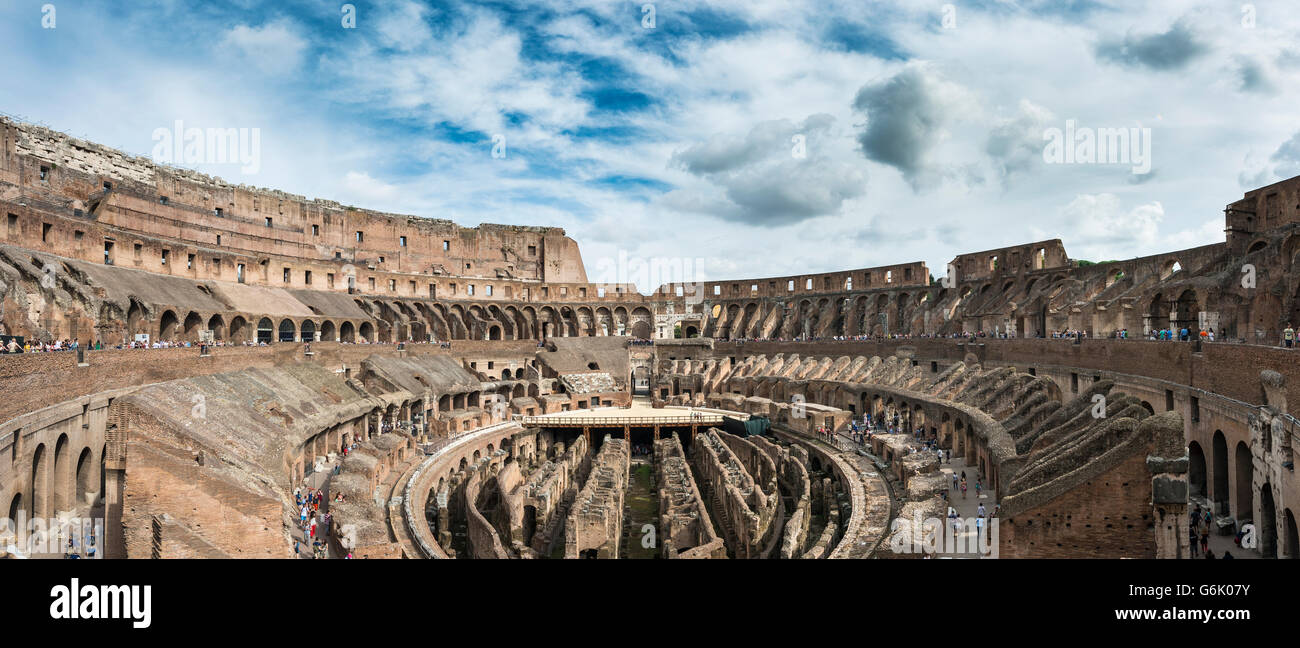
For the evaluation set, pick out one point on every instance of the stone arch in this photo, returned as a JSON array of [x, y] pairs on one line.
[[308, 331], [1169, 268], [1245, 489], [16, 507], [167, 325], [135, 318], [218, 327], [1186, 311], [327, 331], [287, 331], [1219, 453], [265, 330], [367, 331], [1266, 526], [347, 332], [642, 326], [238, 329], [191, 327], [1196, 471], [40, 482], [61, 487], [86, 477]]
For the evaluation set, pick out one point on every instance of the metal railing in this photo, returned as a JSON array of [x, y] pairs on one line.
[[618, 421]]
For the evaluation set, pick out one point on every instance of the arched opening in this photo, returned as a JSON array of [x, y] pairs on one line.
[[1266, 529], [192, 323], [1169, 269], [1187, 312], [308, 331], [218, 327], [1196, 470], [1157, 314], [265, 331], [691, 332], [167, 325], [347, 333], [494, 332], [327, 333], [16, 507], [40, 483], [1220, 453], [86, 480], [62, 475], [367, 332], [1245, 474], [238, 329], [1147, 406], [287, 330]]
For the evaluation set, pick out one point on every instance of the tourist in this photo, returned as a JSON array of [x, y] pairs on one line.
[[963, 488], [1288, 336]]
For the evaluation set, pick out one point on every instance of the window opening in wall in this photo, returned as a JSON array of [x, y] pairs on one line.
[[401, 240], [360, 236], [315, 230], [45, 232]]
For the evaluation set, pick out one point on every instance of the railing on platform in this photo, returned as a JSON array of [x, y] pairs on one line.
[[619, 421]]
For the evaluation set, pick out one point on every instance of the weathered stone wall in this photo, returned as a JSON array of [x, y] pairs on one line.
[[596, 522], [685, 528]]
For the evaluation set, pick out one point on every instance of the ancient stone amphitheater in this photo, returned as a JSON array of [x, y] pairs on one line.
[[467, 393]]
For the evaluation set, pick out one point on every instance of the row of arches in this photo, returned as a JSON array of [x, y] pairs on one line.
[[400, 321], [63, 478], [239, 329], [1227, 481]]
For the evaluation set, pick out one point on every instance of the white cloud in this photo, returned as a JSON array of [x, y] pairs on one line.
[[274, 48]]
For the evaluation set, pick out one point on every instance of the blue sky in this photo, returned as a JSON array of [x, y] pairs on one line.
[[921, 122]]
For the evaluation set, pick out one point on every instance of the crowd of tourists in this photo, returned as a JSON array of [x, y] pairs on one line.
[[1183, 334], [1198, 535]]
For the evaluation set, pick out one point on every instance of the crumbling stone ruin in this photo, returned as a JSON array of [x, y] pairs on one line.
[[595, 524], [687, 529], [435, 376]]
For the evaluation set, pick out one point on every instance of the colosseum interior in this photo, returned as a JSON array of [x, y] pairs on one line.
[[459, 392]]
